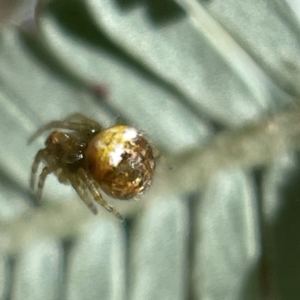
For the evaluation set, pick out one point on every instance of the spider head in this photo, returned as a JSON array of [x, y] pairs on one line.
[[66, 148]]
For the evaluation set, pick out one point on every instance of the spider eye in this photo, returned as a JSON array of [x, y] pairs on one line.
[[72, 158]]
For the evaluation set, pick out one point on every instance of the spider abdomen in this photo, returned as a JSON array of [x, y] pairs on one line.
[[121, 161]]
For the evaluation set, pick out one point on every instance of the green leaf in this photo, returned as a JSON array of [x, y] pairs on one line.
[[206, 81]]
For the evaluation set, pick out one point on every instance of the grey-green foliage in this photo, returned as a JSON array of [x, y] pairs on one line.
[[207, 82]]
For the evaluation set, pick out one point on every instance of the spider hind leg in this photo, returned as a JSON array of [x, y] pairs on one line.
[[96, 193], [80, 189], [80, 118]]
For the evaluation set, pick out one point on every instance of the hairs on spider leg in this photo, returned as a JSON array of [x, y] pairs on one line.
[[59, 125]]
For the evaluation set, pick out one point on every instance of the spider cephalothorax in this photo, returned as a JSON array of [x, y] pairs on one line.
[[117, 160]]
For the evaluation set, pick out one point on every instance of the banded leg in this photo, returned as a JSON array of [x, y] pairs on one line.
[[80, 190], [78, 117], [46, 171], [96, 194], [60, 125], [37, 160]]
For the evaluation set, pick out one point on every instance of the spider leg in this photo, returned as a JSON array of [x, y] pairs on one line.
[[158, 155], [37, 160], [80, 190], [79, 117], [46, 171], [96, 193], [60, 125]]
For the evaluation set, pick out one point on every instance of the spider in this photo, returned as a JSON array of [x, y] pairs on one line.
[[80, 152]]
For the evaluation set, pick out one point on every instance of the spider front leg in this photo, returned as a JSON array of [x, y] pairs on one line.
[[35, 165], [78, 117], [96, 194], [46, 171], [60, 125]]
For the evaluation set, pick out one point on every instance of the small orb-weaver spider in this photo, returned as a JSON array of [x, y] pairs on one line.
[[117, 160]]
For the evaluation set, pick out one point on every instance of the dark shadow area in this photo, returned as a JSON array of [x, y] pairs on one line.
[[252, 288], [128, 4], [193, 203], [261, 279], [279, 267], [159, 12], [284, 237], [67, 246], [129, 225], [11, 264]]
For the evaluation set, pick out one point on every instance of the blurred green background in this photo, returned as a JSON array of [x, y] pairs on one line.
[[207, 81]]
